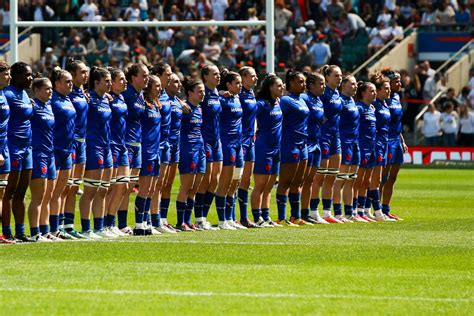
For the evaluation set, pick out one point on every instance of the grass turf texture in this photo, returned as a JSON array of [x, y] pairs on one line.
[[422, 265]]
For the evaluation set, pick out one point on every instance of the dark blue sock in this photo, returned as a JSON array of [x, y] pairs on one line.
[[337, 209], [385, 209], [68, 218], [234, 214], [7, 230], [180, 210], [54, 222], [375, 196], [313, 204], [98, 223], [155, 220], [243, 196], [139, 209], [146, 217], [109, 220], [114, 223], [85, 224], [327, 204], [354, 203], [61, 219], [20, 229], [361, 204], [295, 204], [229, 201], [34, 231], [208, 202], [281, 204], [122, 218], [368, 202], [189, 211], [221, 206], [199, 205], [256, 212], [305, 213], [348, 210], [147, 211], [265, 214], [44, 229], [164, 206]]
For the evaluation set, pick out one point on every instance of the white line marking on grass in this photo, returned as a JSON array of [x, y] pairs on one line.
[[236, 294]]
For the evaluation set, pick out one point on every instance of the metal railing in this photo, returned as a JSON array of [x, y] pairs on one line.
[[23, 33], [418, 121], [409, 28]]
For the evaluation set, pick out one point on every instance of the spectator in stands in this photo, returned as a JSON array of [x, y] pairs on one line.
[[410, 95], [89, 11], [41, 11], [384, 16], [218, 9], [303, 58], [283, 52], [368, 16], [378, 36], [335, 9], [406, 9], [432, 126], [466, 126], [320, 50], [282, 16], [444, 14], [132, 13], [450, 96], [449, 124], [463, 14], [213, 49], [5, 16], [356, 23], [120, 49], [77, 50], [396, 31], [463, 97], [428, 16]]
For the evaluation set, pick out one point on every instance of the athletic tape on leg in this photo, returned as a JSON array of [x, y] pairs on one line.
[[122, 180], [237, 173], [3, 183], [92, 183]]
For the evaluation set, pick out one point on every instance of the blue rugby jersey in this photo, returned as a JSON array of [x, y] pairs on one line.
[[21, 110], [42, 128], [79, 101], [332, 111], [175, 123], [4, 116], [211, 108], [165, 112], [136, 107], [249, 108], [231, 121], [316, 116], [295, 119], [349, 125], [382, 114], [191, 124], [98, 121], [64, 116], [151, 129], [269, 125], [367, 126], [118, 123], [396, 113]]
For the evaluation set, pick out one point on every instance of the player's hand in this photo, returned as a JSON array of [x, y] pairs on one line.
[[224, 93], [405, 148], [2, 160]]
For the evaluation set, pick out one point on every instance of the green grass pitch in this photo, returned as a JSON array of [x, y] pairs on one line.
[[422, 265]]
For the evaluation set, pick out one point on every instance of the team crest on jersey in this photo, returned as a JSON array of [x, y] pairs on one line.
[[268, 167], [100, 161], [149, 168], [114, 159], [365, 161], [73, 156], [192, 165], [348, 157], [325, 152], [44, 169], [15, 163], [389, 156], [379, 158], [232, 158], [208, 154], [295, 156]]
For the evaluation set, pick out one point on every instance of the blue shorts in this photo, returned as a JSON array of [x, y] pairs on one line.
[[165, 150], [134, 156], [5, 168], [98, 157], [78, 154], [367, 158], [150, 168], [330, 145], [314, 156], [381, 154], [267, 162], [248, 148], [119, 155], [395, 152], [213, 151], [174, 153], [293, 153], [233, 156], [44, 168], [20, 159], [350, 153], [63, 160], [192, 160]]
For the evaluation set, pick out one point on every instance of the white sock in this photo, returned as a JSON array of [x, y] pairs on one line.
[[140, 226], [378, 213], [326, 213], [314, 214]]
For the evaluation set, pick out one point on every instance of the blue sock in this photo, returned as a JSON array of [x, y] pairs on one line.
[[146, 217], [265, 214], [229, 201], [234, 216], [122, 218], [69, 219], [199, 205], [368, 201], [147, 211], [361, 204], [34, 231], [155, 220], [44, 229], [54, 223], [348, 210], [139, 209], [256, 212], [85, 224], [189, 211], [281, 204], [180, 210], [243, 196], [208, 202], [164, 206], [20, 229], [305, 213], [386, 209], [61, 219], [221, 206], [295, 204], [7, 230], [313, 204], [98, 223], [375, 196], [114, 221], [109, 220], [337, 208], [327, 204], [354, 203]]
